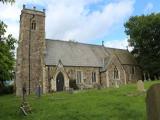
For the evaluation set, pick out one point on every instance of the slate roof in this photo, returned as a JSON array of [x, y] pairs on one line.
[[124, 56], [80, 54]]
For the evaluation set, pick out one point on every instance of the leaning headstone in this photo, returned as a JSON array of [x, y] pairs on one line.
[[153, 102], [140, 86]]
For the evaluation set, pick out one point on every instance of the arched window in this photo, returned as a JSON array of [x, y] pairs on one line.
[[93, 77], [79, 77], [33, 25], [115, 73]]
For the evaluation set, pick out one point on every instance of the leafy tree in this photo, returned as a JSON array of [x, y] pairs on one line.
[[7, 60], [7, 48], [144, 32]]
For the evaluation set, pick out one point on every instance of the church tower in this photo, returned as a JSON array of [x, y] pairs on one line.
[[30, 51]]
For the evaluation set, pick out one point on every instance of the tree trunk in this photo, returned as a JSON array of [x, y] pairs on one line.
[[1, 86]]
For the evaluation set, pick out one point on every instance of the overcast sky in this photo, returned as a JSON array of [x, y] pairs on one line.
[[87, 21]]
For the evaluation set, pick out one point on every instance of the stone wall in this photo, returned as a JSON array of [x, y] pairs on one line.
[[51, 72], [126, 73], [108, 76], [130, 76], [104, 78]]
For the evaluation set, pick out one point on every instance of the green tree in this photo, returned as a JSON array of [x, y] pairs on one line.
[[7, 47], [7, 60], [144, 33]]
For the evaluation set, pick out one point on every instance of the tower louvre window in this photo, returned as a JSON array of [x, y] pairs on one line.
[[33, 25]]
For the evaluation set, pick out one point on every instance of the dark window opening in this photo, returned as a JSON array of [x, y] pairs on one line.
[[33, 25], [93, 76], [79, 77]]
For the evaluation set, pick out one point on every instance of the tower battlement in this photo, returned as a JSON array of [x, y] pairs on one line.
[[33, 10]]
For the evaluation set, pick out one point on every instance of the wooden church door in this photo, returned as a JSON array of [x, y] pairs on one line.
[[60, 82]]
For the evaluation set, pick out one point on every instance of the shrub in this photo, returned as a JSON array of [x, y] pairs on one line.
[[72, 84], [7, 90]]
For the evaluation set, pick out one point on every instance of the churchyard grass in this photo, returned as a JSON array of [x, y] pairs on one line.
[[124, 103]]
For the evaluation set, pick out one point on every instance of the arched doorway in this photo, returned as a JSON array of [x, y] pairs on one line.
[[60, 82]]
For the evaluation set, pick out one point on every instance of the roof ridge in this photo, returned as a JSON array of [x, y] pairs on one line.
[[76, 42]]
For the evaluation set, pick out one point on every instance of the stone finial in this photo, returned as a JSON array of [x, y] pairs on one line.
[[44, 10], [24, 6], [34, 8]]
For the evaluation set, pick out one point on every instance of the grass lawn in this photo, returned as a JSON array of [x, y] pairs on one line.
[[124, 103]]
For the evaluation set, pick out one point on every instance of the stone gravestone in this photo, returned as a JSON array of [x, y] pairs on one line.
[[153, 102], [38, 90], [140, 86]]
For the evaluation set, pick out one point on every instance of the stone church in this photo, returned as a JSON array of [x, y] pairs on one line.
[[58, 65]]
